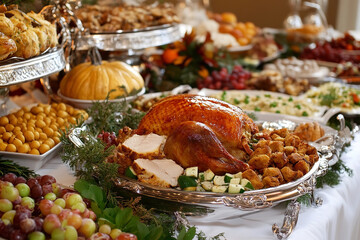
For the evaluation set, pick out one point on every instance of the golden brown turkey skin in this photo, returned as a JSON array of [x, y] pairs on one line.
[[195, 144], [228, 122]]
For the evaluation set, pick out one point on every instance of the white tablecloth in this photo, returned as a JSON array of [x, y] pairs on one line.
[[338, 218]]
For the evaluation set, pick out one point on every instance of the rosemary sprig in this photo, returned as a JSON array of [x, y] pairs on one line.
[[7, 166], [112, 116]]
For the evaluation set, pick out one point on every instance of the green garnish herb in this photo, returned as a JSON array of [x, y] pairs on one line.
[[257, 109], [236, 101], [246, 101], [279, 98], [273, 104], [284, 103], [277, 111], [305, 114], [223, 95], [298, 106], [290, 99], [328, 99], [267, 95]]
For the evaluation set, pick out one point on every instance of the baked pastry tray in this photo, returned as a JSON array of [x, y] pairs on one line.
[[136, 39], [33, 68]]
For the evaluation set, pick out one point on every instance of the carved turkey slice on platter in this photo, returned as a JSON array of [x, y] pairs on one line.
[[148, 146], [163, 173]]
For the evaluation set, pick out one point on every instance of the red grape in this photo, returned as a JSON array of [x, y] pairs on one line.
[[27, 225], [39, 223], [10, 177], [45, 206], [36, 191], [19, 216], [46, 188], [17, 235], [47, 179], [31, 182], [126, 236], [19, 180]]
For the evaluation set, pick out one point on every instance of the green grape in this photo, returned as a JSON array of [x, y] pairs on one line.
[[5, 205], [36, 236], [24, 189]]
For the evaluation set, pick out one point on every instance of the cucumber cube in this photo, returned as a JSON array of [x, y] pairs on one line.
[[130, 173], [249, 186], [235, 181], [207, 185], [228, 177], [219, 180], [238, 175], [192, 172], [235, 188], [201, 177], [219, 189], [244, 181], [246, 184], [208, 175]]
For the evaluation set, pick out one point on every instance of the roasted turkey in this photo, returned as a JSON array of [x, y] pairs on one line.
[[195, 144], [216, 129]]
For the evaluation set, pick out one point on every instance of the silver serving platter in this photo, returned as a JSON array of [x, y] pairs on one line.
[[219, 205], [247, 201], [33, 68], [136, 39]]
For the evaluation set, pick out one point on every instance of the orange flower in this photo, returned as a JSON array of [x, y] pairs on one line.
[[170, 55], [188, 61], [179, 60], [203, 72]]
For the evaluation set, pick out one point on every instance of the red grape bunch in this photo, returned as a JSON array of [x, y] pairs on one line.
[[39, 209], [224, 80], [108, 138]]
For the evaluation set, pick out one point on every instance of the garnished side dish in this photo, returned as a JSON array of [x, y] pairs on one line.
[[201, 143], [336, 95], [267, 102]]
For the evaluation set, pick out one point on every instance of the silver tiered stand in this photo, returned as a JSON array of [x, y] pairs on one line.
[[15, 71]]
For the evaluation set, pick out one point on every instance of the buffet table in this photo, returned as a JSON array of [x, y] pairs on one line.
[[337, 218]]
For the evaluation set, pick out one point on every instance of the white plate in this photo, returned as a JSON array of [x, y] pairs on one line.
[[354, 111], [272, 117], [321, 73], [240, 48], [322, 115], [34, 162], [83, 104]]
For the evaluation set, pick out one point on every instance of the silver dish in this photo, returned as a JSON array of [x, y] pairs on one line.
[[211, 202], [139, 39], [32, 69]]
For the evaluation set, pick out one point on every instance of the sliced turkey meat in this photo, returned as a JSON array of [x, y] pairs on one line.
[[161, 172], [148, 146]]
